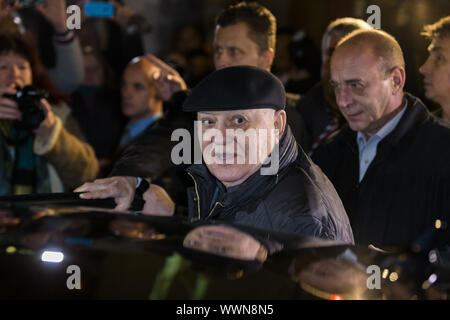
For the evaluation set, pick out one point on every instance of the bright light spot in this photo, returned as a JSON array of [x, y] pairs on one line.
[[427, 284], [17, 20], [432, 279], [438, 224], [393, 276], [336, 297], [11, 249], [52, 256], [385, 273], [432, 256]]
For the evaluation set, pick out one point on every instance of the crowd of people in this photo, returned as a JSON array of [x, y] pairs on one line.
[[358, 159]]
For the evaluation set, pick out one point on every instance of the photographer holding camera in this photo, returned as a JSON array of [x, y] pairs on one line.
[[41, 146]]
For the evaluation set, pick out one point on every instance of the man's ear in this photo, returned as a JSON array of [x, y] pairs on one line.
[[398, 78], [266, 59], [280, 121]]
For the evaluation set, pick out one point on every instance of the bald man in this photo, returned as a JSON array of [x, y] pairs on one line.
[[390, 162], [318, 106], [140, 101]]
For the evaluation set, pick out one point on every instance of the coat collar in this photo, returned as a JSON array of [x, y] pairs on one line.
[[247, 194], [416, 113]]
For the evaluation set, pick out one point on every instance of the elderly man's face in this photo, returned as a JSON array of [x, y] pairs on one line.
[[362, 89], [233, 47], [436, 71], [236, 143]]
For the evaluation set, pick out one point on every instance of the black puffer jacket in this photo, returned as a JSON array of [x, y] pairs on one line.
[[298, 200]]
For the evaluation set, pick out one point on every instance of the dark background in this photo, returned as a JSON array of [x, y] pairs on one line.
[[402, 18]]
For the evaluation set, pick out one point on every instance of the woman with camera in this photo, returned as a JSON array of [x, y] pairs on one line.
[[41, 145]]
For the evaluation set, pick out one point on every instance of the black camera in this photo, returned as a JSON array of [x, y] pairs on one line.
[[28, 99]]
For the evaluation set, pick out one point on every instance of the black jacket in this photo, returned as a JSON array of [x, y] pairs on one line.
[[298, 200], [149, 155], [317, 114], [406, 187]]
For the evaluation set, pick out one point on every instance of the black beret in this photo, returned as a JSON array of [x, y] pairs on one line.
[[237, 88]]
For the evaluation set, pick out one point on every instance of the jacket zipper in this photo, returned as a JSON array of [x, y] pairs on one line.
[[198, 199], [215, 205], [196, 193]]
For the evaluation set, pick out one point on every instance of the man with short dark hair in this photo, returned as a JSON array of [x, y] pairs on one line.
[[245, 34], [389, 164], [436, 69]]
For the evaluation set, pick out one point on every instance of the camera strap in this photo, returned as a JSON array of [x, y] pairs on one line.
[[14, 133], [24, 167]]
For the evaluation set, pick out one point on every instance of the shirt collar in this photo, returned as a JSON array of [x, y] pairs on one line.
[[139, 126], [386, 129]]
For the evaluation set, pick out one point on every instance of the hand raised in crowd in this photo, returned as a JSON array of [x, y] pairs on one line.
[[6, 7], [122, 14], [167, 81], [55, 12], [122, 189]]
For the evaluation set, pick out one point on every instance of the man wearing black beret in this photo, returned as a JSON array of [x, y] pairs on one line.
[[295, 197]]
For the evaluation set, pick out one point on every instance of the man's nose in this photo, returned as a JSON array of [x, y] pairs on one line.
[[222, 60], [14, 72], [221, 130], [343, 96], [126, 92], [222, 134], [424, 68]]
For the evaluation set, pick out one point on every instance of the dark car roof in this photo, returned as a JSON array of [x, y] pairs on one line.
[[124, 255]]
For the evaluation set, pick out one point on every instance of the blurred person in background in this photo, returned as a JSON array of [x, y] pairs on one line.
[[50, 155], [59, 48], [140, 102], [187, 38], [117, 38], [297, 62], [436, 70], [96, 106]]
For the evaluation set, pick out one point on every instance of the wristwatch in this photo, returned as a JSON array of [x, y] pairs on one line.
[[142, 186]]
